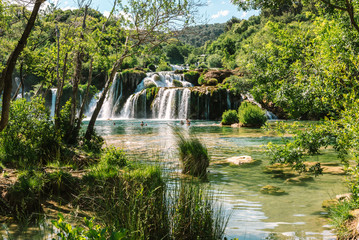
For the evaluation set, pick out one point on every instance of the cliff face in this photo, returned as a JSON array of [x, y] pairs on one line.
[[210, 102]]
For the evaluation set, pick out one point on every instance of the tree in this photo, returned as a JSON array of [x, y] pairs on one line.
[[144, 23], [6, 75]]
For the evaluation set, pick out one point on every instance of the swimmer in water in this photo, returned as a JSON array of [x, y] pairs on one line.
[[142, 124], [188, 122]]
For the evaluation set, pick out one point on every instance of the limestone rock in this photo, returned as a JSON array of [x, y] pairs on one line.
[[342, 197], [240, 160], [272, 190]]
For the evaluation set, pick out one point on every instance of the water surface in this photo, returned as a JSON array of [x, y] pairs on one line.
[[296, 215]]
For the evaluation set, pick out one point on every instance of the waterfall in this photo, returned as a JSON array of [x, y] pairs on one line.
[[229, 106], [53, 101], [111, 99], [135, 106]]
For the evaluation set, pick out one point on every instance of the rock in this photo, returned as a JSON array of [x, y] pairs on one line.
[[329, 203], [235, 125], [300, 179], [272, 190], [354, 213], [156, 77], [342, 197], [240, 160]]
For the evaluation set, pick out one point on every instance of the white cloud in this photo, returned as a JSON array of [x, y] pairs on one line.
[[106, 13], [221, 13], [244, 14]]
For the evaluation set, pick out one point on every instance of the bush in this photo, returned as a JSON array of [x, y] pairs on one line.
[[61, 184], [211, 82], [25, 196], [114, 157], [163, 66], [30, 138], [202, 66], [229, 117], [250, 115], [201, 80], [215, 61], [238, 84], [193, 156], [192, 77]]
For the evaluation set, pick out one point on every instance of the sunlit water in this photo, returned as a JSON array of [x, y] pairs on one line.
[[297, 215]]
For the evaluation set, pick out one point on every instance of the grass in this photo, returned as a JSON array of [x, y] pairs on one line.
[[340, 217], [193, 155]]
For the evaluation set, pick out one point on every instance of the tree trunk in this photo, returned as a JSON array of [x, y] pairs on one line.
[[60, 87], [85, 98], [6, 76], [115, 68]]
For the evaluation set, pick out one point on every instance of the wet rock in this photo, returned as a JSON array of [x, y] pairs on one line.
[[300, 179], [329, 203], [343, 197], [272, 190], [240, 160]]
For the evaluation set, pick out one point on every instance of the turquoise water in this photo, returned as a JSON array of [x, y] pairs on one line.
[[296, 215]]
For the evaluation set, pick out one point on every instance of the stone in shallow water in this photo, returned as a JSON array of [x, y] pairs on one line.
[[272, 190], [329, 203], [240, 160]]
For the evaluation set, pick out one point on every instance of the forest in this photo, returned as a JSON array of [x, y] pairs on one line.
[[149, 123]]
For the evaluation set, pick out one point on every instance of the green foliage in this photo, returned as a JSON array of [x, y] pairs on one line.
[[215, 61], [163, 66], [25, 196], [250, 115], [340, 215], [238, 84], [193, 155], [201, 80], [211, 82], [29, 140], [89, 231], [192, 77], [114, 157], [61, 185], [94, 145], [229, 117]]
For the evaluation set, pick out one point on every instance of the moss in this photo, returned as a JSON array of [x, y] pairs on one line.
[[272, 190], [177, 83], [192, 77]]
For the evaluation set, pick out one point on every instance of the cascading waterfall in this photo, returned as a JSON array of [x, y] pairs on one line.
[[53, 101], [171, 102], [112, 98]]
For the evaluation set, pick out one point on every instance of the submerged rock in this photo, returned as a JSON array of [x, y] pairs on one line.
[[240, 160], [300, 179], [272, 190]]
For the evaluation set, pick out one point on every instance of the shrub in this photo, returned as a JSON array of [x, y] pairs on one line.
[[114, 157], [152, 67], [163, 66], [215, 61], [94, 145], [61, 184], [238, 84], [229, 117], [202, 66], [193, 156], [30, 138], [192, 77], [211, 82], [25, 196], [250, 115], [201, 80], [177, 83]]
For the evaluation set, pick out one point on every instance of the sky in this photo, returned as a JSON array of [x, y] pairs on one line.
[[215, 11]]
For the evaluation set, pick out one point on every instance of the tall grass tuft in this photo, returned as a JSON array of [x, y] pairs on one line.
[[340, 217], [193, 155], [194, 214]]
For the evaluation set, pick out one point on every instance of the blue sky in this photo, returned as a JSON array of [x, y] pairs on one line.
[[216, 11]]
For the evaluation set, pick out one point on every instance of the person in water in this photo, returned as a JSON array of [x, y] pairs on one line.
[[188, 122], [142, 124], [182, 123]]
